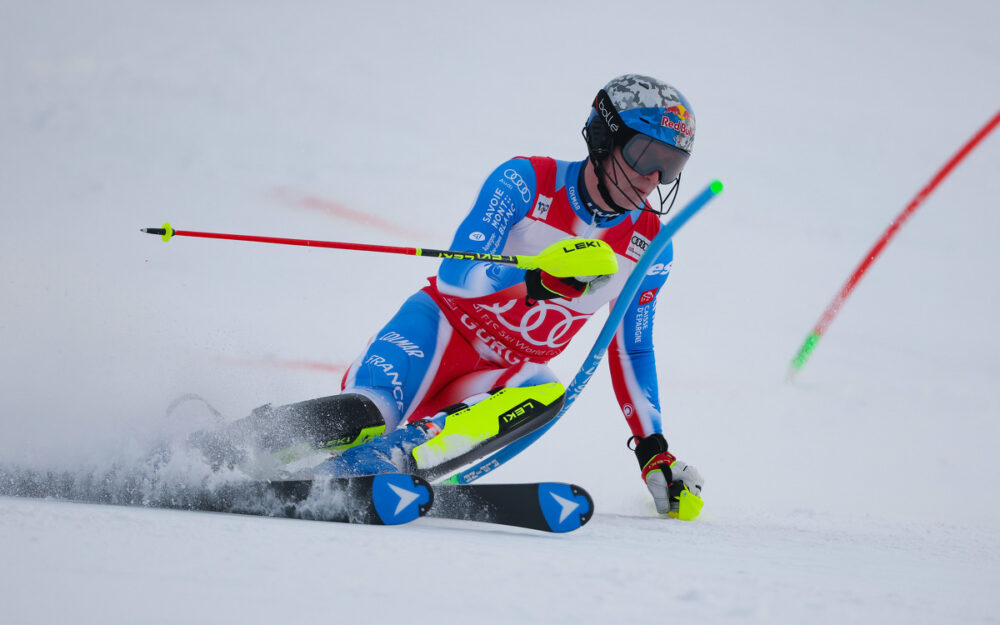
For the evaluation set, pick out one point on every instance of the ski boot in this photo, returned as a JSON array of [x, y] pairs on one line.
[[456, 436]]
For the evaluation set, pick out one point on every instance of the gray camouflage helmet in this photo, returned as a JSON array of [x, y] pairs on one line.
[[652, 107]]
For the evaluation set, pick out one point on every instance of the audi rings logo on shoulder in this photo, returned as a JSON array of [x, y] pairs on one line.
[[518, 181], [477, 236], [637, 246], [543, 325]]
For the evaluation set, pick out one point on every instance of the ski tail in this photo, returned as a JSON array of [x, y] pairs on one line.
[[386, 499], [395, 498], [545, 506]]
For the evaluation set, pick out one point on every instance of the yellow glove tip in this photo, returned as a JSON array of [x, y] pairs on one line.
[[690, 506]]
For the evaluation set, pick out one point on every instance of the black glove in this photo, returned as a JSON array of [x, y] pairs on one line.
[[542, 286]]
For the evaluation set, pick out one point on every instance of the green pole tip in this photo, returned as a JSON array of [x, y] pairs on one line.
[[804, 353], [716, 187], [168, 232]]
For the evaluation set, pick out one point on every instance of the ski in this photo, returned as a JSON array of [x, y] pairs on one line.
[[544, 506], [387, 499]]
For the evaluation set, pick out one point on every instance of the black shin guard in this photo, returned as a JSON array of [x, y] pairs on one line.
[[326, 422], [333, 423]]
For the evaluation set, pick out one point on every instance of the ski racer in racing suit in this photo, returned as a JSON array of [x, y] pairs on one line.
[[480, 326]]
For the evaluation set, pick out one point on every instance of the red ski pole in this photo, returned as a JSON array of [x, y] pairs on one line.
[[572, 257], [831, 311]]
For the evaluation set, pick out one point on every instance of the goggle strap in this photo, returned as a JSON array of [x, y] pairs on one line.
[[606, 110]]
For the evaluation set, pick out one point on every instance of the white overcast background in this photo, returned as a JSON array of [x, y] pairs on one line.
[[865, 491]]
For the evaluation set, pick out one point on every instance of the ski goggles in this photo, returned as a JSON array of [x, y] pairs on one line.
[[645, 155]]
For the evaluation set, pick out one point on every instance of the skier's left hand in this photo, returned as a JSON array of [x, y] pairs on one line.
[[675, 485]]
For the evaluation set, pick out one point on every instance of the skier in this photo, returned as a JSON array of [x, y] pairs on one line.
[[460, 370]]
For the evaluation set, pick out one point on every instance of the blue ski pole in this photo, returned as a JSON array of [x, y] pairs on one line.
[[488, 464]]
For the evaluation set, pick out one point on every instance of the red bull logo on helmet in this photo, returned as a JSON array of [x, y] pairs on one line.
[[680, 111], [683, 122]]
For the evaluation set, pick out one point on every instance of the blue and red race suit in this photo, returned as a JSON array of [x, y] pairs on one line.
[[471, 329]]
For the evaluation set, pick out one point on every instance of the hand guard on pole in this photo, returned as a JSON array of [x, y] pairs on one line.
[[576, 267], [542, 285], [674, 484]]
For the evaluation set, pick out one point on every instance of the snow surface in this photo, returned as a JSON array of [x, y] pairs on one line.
[[864, 492]]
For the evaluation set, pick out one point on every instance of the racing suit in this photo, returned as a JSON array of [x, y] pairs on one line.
[[472, 328]]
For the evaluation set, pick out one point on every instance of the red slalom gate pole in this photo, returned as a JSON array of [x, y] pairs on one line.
[[845, 291]]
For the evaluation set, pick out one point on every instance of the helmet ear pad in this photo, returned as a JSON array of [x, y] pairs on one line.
[[600, 142]]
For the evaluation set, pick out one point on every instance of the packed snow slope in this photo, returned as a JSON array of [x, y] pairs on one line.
[[864, 492]]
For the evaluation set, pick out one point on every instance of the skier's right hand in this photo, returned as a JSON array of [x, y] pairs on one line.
[[542, 285], [570, 269]]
